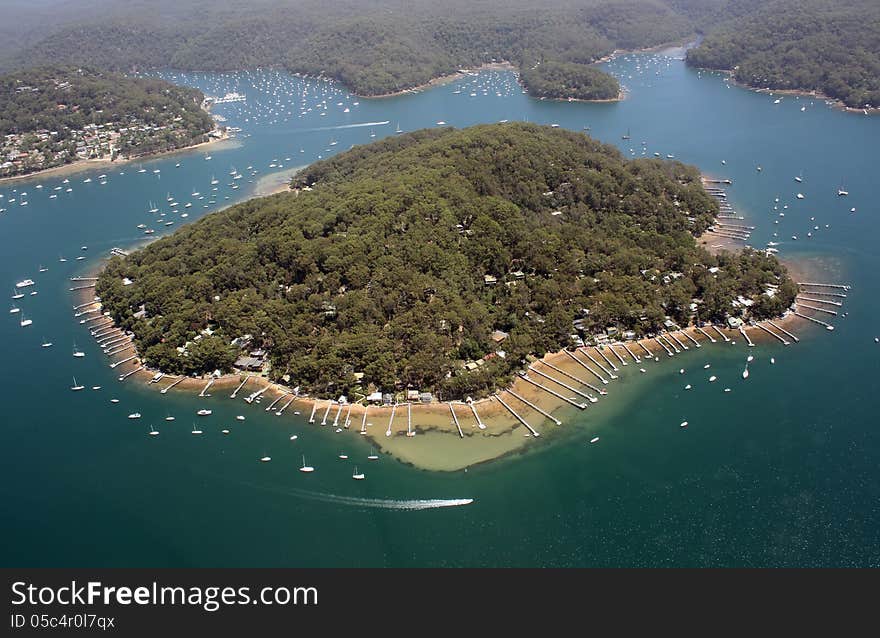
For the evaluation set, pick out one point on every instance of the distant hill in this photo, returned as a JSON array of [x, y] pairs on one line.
[[809, 45], [401, 259]]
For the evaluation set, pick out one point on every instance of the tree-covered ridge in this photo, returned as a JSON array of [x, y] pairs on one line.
[[562, 80], [810, 45], [399, 260], [374, 47], [50, 116]]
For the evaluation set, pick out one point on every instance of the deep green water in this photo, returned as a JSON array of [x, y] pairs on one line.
[[782, 470]]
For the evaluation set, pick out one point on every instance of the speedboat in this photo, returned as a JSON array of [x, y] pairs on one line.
[[203, 412], [134, 415]]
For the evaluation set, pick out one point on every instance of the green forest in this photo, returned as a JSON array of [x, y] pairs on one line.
[[812, 45], [374, 47], [400, 258]]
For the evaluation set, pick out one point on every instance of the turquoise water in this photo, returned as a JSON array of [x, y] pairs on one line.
[[782, 470]]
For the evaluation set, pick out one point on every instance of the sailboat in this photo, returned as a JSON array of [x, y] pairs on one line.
[[746, 372], [343, 456], [398, 130], [214, 181], [152, 208], [356, 475], [25, 322], [14, 309], [153, 431], [16, 294], [76, 387], [842, 192], [265, 459], [46, 344], [373, 456], [195, 431], [306, 468], [78, 353], [800, 177], [625, 137]]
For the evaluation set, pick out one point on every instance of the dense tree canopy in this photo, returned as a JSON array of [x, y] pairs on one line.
[[378, 264], [813, 45]]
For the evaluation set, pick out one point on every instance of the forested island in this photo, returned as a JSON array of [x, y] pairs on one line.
[[402, 263], [832, 48], [52, 116]]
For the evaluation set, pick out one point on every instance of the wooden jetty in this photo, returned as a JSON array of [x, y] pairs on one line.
[[617, 354], [285, 406], [118, 363], [364, 420], [721, 334], [573, 378], [784, 331], [240, 386], [128, 374], [561, 383], [480, 423], [347, 417], [580, 406], [587, 368], [277, 399], [688, 335], [631, 353], [706, 334], [455, 418], [596, 363], [827, 312], [675, 339], [827, 326], [391, 420], [838, 286], [207, 387], [663, 345], [743, 332], [784, 341], [518, 417], [534, 407], [326, 412], [253, 396], [607, 360], [168, 387]]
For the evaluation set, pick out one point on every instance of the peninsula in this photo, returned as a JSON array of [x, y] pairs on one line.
[[437, 262], [56, 116]]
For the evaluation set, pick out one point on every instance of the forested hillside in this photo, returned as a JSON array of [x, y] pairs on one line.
[[399, 259], [811, 45]]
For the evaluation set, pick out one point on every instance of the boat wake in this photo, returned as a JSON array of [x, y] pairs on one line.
[[333, 128], [385, 503]]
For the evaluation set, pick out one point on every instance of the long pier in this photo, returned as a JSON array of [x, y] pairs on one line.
[[579, 406], [573, 378], [207, 387], [607, 360], [128, 345], [364, 420], [455, 418], [784, 341], [588, 369], [706, 334], [718, 330], [631, 353], [336, 418], [824, 301], [688, 335], [518, 417], [312, 415], [326, 412], [347, 417], [255, 395], [562, 383], [663, 345], [240, 386], [667, 340], [838, 286], [285, 406], [596, 363], [535, 407], [128, 374], [828, 326], [480, 423], [675, 339], [784, 331], [277, 399], [391, 420], [83, 287], [617, 354], [827, 312], [648, 353], [168, 387], [113, 365], [742, 331], [409, 431]]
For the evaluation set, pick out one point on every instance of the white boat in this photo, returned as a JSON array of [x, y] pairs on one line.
[[343, 456], [265, 459], [17, 295], [96, 387], [24, 283], [46, 344], [169, 418], [76, 387], [306, 468], [14, 309], [841, 192], [358, 476], [683, 424], [595, 439], [203, 412], [225, 431], [25, 322], [153, 431], [195, 431], [373, 456], [134, 415], [712, 379], [240, 417], [800, 195], [293, 437], [79, 354], [114, 400], [746, 373]]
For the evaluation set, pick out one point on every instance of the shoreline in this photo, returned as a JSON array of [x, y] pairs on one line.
[[84, 165], [441, 80], [815, 94]]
